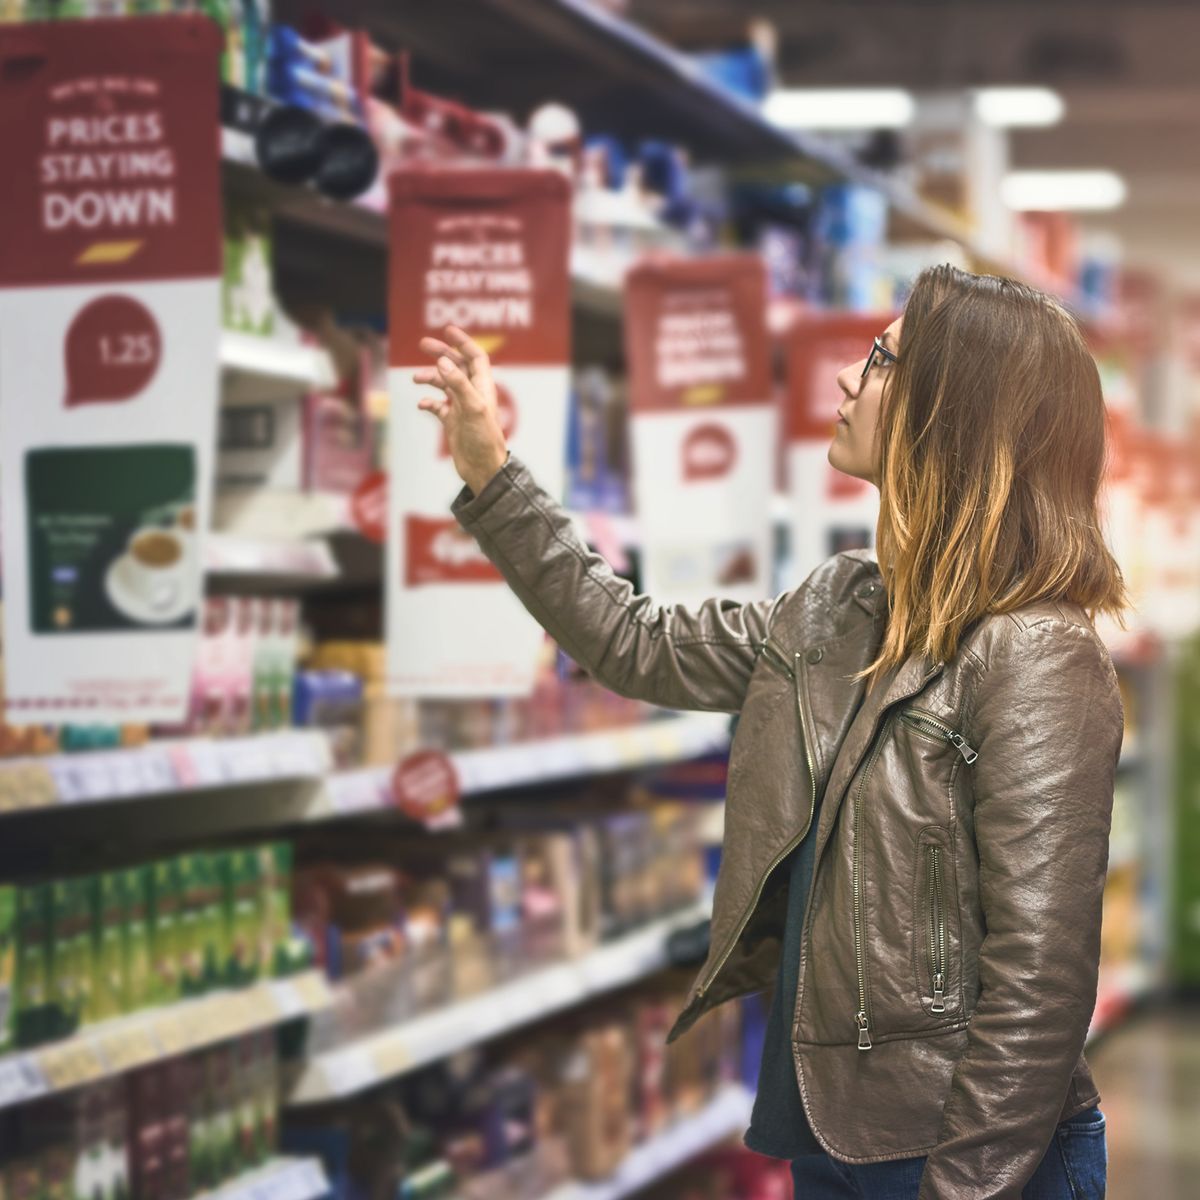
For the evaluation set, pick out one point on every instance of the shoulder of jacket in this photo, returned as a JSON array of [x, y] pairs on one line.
[[1028, 630]]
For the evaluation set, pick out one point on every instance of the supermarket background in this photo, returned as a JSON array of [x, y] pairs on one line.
[[243, 951]]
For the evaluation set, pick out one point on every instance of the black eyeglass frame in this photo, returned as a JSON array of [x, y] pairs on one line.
[[878, 348]]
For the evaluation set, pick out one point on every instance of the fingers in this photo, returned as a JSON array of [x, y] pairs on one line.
[[454, 380], [436, 348], [438, 405], [476, 359], [427, 375]]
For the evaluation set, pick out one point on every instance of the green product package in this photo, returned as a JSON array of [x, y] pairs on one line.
[[247, 287], [135, 896], [107, 992], [212, 918], [243, 916], [8, 966], [190, 931], [166, 931], [33, 965], [70, 969], [276, 859]]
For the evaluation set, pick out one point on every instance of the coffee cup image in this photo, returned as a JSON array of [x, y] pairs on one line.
[[156, 568]]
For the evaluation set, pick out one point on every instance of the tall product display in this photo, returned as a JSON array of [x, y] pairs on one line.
[[109, 307], [488, 251], [703, 426]]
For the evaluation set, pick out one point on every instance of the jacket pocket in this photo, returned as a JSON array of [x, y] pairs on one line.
[[934, 727], [935, 932]]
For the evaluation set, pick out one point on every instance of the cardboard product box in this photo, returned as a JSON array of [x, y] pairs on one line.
[[260, 445], [597, 1079]]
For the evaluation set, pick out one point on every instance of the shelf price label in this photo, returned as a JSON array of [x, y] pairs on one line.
[[129, 1047], [70, 1064], [21, 1079]]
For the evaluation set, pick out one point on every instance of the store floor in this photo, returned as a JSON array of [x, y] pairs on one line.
[[1148, 1073]]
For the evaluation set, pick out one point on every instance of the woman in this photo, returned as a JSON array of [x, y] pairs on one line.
[[920, 781]]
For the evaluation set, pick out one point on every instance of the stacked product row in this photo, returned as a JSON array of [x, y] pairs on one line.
[[167, 1132], [79, 950], [566, 1101], [412, 927]]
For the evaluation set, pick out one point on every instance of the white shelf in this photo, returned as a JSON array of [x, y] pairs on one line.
[[726, 1115], [256, 514], [287, 558], [113, 1047], [303, 755], [290, 362], [393, 1052], [280, 1179]]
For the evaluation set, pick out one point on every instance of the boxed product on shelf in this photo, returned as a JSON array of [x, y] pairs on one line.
[[260, 445], [78, 950], [165, 1132], [331, 701], [247, 281]]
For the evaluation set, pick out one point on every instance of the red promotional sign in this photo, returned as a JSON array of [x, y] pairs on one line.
[[818, 347], [369, 507], [486, 250], [709, 451], [111, 136], [438, 550], [696, 333], [425, 786]]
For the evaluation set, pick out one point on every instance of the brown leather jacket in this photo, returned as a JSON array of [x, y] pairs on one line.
[[952, 939]]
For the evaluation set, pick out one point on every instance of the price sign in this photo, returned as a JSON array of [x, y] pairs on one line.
[[70, 1063], [425, 785], [128, 1047], [20, 1079], [175, 1032], [348, 1071], [113, 350]]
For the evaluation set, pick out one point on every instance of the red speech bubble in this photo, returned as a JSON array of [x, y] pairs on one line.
[[425, 785], [113, 351], [709, 452]]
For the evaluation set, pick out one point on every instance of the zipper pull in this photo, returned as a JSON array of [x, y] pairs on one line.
[[960, 744], [864, 1036], [939, 985]]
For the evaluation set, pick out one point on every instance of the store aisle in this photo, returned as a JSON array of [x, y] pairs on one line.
[[1148, 1072]]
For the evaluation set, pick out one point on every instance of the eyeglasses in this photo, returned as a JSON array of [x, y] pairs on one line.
[[879, 352]]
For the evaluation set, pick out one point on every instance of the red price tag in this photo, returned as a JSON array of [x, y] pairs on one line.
[[425, 786]]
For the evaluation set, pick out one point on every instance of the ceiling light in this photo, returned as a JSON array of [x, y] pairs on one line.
[[1011, 106], [1062, 191], [839, 108]]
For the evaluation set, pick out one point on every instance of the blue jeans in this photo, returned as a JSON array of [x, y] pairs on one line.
[[1074, 1167]]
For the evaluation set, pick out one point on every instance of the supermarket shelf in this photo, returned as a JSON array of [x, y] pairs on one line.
[[275, 780], [280, 1179], [114, 1047], [625, 81], [367, 1062], [292, 560], [291, 363], [726, 1115]]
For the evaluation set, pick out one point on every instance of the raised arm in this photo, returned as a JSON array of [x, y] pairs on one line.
[[678, 657], [698, 658]]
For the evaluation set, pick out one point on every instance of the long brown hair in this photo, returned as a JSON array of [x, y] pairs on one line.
[[993, 450]]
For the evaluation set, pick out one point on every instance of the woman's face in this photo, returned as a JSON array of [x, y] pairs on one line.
[[853, 449]]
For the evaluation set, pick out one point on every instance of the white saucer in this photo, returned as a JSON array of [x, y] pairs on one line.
[[133, 606]]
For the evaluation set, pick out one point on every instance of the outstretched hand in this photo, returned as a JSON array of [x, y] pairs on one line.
[[467, 406]]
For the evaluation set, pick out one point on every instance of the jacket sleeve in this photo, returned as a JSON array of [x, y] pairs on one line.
[[668, 655], [1048, 725]]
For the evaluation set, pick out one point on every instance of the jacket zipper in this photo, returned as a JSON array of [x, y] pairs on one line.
[[862, 1018], [779, 659], [933, 725], [937, 928]]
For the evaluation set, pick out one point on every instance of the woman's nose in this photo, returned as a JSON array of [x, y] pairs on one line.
[[849, 379]]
